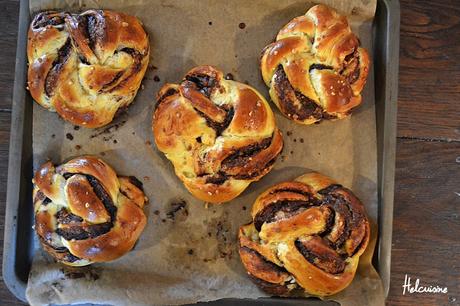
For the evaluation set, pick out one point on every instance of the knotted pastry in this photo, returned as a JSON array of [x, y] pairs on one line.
[[219, 134], [306, 235], [86, 67], [315, 69], [84, 213]]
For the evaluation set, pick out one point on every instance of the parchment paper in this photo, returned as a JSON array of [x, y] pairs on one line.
[[190, 255]]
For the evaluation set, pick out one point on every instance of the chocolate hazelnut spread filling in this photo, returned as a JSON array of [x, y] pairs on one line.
[[217, 179], [90, 25], [293, 190], [122, 77], [241, 156], [288, 98], [57, 66], [279, 210], [103, 196], [95, 27], [318, 252], [133, 180], [219, 127], [238, 159], [73, 227], [81, 232], [63, 252], [169, 92], [47, 18], [202, 82], [217, 117], [256, 172], [319, 67], [351, 69], [112, 82], [351, 215], [65, 217], [270, 288], [263, 263], [40, 196]]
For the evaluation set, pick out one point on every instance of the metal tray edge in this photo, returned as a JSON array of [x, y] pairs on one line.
[[387, 118], [16, 163]]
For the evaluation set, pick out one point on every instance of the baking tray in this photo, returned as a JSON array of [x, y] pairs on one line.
[[19, 244]]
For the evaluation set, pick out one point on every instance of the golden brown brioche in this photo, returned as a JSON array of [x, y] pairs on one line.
[[84, 213], [315, 69], [307, 234], [219, 134], [86, 67]]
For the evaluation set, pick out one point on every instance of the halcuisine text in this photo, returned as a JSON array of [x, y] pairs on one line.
[[418, 288]]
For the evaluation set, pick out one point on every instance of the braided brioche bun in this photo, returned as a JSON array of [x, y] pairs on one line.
[[85, 213], [307, 234], [315, 69], [220, 135], [86, 67]]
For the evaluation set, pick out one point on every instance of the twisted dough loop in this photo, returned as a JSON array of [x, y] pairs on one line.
[[315, 69], [84, 213], [306, 234], [86, 67], [219, 134]]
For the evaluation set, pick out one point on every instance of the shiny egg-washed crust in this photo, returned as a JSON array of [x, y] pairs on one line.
[[316, 68], [307, 235], [84, 213], [219, 134], [86, 67]]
